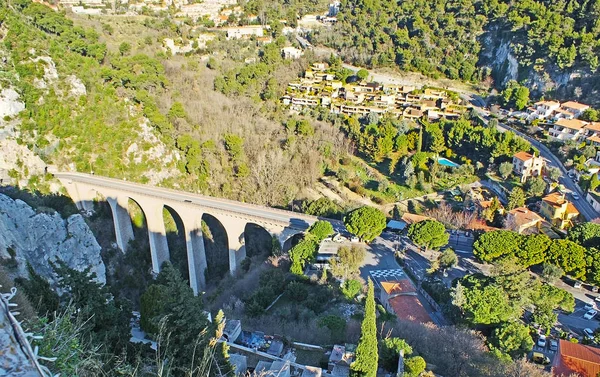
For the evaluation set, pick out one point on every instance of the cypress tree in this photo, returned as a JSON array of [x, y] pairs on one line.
[[365, 364]]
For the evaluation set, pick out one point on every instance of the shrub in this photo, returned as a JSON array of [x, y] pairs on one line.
[[351, 288]]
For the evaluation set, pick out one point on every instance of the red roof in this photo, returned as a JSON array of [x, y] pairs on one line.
[[409, 308], [576, 358]]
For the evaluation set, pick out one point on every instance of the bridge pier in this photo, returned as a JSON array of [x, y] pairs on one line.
[[234, 227], [157, 234], [120, 213], [196, 255]]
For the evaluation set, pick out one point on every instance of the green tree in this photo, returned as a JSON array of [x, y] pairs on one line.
[[554, 173], [535, 186], [429, 234], [124, 48], [303, 252], [347, 261], [512, 338], [351, 288], [447, 259], [483, 303], [335, 324], [551, 273], [390, 349], [39, 293], [493, 245], [521, 97], [365, 222], [505, 169], [569, 256], [365, 364], [321, 230], [414, 366], [516, 198], [362, 74], [586, 234]]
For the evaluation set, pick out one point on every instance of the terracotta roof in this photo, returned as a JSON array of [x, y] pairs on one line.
[[548, 103], [575, 105], [593, 126], [523, 156], [571, 123], [555, 199], [524, 216], [409, 308], [571, 208], [564, 112], [398, 286], [485, 203], [576, 358], [411, 218], [594, 139]]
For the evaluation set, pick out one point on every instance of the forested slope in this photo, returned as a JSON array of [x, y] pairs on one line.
[[146, 116], [536, 41]]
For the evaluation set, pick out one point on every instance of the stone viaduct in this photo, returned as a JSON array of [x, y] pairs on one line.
[[234, 216]]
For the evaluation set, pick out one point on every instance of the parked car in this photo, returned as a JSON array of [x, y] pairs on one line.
[[590, 314], [354, 239], [597, 299], [577, 284], [338, 238], [590, 305], [588, 333], [542, 341], [539, 358], [575, 196], [553, 345], [595, 289]]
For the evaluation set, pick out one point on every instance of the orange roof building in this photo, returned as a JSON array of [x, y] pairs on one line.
[[576, 358], [398, 294], [522, 219], [573, 124], [557, 209]]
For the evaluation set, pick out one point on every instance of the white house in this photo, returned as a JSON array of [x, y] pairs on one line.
[[568, 129], [244, 32], [544, 109], [593, 198], [291, 53], [574, 108]]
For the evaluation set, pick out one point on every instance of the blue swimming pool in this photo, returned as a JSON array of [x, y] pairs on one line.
[[446, 162]]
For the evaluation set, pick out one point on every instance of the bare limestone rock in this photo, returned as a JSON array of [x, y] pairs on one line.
[[9, 103], [39, 238]]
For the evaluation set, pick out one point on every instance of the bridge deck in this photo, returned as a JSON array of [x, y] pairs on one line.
[[294, 219]]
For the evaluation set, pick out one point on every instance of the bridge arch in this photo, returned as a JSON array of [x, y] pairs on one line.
[[257, 239], [216, 247], [176, 241]]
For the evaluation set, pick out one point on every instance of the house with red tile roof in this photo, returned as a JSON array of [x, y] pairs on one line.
[[526, 165], [576, 358]]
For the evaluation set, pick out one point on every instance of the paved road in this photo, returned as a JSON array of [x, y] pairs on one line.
[[292, 219]]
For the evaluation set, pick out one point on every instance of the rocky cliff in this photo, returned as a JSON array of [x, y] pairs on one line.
[[27, 235]]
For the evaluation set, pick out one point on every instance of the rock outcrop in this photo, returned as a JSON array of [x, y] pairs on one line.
[[41, 237]]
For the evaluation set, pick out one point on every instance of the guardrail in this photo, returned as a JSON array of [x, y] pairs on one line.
[[21, 337]]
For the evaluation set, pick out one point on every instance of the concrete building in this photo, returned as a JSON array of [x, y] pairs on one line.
[[291, 53], [568, 129], [232, 330], [310, 371], [574, 108], [522, 219], [593, 198], [339, 361], [244, 32], [526, 165], [544, 109], [558, 210], [272, 369], [240, 363]]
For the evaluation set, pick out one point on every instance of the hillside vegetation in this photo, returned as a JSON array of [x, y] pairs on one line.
[[448, 38], [147, 116]]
